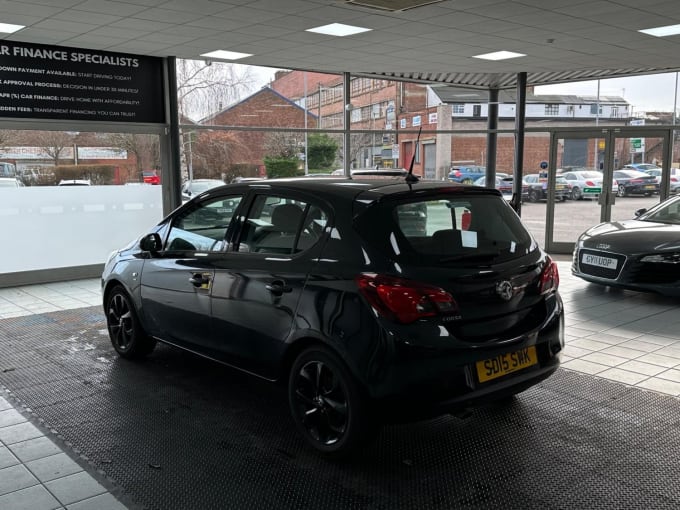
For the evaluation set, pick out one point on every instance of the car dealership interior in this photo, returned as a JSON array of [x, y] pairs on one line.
[[93, 92]]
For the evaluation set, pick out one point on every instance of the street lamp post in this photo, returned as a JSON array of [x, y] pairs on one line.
[[188, 155]]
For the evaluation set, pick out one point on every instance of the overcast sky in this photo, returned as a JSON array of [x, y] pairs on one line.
[[650, 93]]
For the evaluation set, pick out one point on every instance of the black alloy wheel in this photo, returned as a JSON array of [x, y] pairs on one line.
[[126, 333], [534, 195], [327, 405]]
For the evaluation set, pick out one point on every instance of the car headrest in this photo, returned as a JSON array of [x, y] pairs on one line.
[[286, 217]]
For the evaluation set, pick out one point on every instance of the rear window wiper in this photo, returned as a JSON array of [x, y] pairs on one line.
[[491, 255]]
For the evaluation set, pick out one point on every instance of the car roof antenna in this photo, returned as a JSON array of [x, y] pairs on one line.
[[410, 178]]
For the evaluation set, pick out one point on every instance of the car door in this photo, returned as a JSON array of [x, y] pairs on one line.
[[176, 283], [258, 284]]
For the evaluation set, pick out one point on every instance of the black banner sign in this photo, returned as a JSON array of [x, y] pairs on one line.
[[54, 82]]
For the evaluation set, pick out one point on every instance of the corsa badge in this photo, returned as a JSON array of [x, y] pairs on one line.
[[505, 290]]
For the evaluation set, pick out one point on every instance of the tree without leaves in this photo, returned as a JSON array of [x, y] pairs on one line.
[[7, 138], [215, 154], [145, 148], [52, 143], [203, 89]]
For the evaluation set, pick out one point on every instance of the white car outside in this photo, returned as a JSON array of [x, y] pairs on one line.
[[585, 182]]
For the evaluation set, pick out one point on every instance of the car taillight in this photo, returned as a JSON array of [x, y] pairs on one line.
[[590, 183], [457, 173], [550, 277], [403, 300], [637, 181]]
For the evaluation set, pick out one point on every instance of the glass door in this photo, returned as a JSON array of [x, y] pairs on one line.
[[609, 174], [580, 187], [641, 170]]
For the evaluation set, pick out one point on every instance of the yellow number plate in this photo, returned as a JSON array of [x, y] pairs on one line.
[[507, 363]]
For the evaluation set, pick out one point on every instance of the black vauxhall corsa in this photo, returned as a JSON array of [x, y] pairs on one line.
[[324, 285]]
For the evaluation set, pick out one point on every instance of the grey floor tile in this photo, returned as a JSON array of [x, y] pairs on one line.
[[671, 375], [18, 433], [53, 467], [7, 458], [11, 417], [32, 498], [74, 488], [624, 376], [661, 385], [658, 359], [33, 449], [15, 478], [4, 404], [101, 502]]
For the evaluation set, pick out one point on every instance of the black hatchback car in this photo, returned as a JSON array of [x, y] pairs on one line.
[[324, 284]]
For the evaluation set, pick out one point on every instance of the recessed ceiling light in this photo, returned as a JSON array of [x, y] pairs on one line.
[[499, 55], [226, 55], [662, 31], [338, 29], [8, 28]]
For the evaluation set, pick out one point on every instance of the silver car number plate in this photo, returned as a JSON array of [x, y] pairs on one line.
[[599, 261]]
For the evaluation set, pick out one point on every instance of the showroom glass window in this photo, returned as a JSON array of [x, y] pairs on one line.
[[203, 227], [278, 225]]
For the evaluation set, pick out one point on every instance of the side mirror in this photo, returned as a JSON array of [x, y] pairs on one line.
[[151, 243], [640, 212]]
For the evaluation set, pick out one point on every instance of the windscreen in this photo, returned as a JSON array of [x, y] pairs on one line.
[[447, 228]]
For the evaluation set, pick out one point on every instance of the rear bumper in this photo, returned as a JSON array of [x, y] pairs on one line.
[[424, 383]]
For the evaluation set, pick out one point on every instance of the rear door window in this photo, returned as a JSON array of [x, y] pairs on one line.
[[281, 225]]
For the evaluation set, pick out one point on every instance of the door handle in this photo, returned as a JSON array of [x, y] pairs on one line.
[[199, 279], [278, 287]]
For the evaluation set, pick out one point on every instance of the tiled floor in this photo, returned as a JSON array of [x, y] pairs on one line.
[[49, 297], [35, 474], [629, 337]]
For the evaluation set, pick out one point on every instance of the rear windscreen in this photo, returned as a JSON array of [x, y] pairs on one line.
[[447, 228]]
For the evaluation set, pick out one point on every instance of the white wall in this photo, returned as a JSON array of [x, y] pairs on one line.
[[45, 227]]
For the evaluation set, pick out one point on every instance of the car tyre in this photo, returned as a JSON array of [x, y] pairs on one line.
[[467, 180], [125, 331], [534, 196], [328, 405], [576, 193], [622, 191]]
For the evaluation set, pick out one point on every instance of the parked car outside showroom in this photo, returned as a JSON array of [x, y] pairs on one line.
[[325, 287], [10, 182], [634, 182], [536, 187], [151, 177], [466, 174], [674, 178], [638, 254], [586, 183], [503, 184], [195, 187]]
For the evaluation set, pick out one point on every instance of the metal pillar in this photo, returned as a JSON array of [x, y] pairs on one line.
[[491, 137], [348, 119], [170, 141], [518, 171]]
